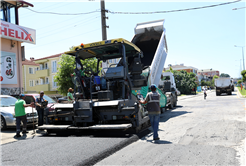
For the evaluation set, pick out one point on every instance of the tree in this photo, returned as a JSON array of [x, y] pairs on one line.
[[224, 75], [243, 73], [66, 68], [185, 82], [214, 77], [239, 81]]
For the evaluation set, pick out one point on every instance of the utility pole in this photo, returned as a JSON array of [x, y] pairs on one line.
[[242, 55], [103, 18]]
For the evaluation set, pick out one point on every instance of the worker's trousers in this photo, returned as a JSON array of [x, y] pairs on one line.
[[154, 120], [40, 117], [20, 119]]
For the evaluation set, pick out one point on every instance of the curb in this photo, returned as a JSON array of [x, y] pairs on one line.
[[239, 94]]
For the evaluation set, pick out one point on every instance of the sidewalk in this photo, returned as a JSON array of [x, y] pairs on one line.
[[7, 136]]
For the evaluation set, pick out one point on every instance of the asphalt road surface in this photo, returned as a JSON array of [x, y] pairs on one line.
[[197, 132]]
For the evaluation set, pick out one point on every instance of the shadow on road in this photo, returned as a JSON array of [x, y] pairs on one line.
[[171, 114]]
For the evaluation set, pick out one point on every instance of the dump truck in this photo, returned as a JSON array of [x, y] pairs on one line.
[[223, 85], [168, 86], [108, 99]]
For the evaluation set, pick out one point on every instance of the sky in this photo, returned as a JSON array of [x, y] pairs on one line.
[[202, 38]]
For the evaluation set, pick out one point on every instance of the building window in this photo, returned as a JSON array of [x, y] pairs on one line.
[[30, 70], [31, 83], [8, 12], [53, 82], [46, 80], [36, 82], [46, 66], [110, 60], [41, 66], [41, 81], [36, 69], [54, 67]]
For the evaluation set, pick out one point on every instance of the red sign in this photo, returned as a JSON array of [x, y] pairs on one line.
[[19, 33], [1, 78]]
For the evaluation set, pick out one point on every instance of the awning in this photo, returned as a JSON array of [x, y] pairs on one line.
[[21, 3]]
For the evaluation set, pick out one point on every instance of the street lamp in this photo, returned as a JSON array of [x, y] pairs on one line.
[[242, 54]]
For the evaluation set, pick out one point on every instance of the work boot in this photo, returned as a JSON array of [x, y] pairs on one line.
[[17, 135], [25, 132]]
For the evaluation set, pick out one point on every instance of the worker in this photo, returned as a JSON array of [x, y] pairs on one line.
[[20, 115], [153, 107], [205, 94], [40, 108], [70, 95]]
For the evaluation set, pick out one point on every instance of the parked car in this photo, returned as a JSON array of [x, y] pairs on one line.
[[62, 99], [32, 98], [8, 114]]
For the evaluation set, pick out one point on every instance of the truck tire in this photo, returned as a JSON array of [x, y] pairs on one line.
[[229, 93], [170, 106], [175, 102]]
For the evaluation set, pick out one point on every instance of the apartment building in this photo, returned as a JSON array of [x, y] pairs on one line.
[[39, 74]]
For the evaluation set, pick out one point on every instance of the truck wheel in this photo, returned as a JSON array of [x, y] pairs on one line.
[[175, 103], [229, 93], [170, 106]]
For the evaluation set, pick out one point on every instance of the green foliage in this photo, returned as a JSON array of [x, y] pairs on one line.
[[243, 73], [185, 82], [66, 68], [214, 77], [239, 81], [224, 75], [243, 91], [206, 83]]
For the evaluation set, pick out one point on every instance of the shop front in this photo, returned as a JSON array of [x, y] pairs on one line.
[[12, 53]]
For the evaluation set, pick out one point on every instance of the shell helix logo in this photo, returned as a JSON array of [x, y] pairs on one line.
[[15, 33]]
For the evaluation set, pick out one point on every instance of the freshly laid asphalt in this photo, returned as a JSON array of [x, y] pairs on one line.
[[66, 150]]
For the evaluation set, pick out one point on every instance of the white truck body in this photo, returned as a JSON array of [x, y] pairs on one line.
[[172, 80], [160, 54], [222, 82], [223, 85]]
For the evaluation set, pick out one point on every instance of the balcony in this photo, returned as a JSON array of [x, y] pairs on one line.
[[42, 73], [43, 87]]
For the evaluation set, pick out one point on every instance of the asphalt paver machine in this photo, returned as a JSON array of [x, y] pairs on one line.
[[108, 99]]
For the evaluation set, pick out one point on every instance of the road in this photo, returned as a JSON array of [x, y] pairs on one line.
[[197, 132]]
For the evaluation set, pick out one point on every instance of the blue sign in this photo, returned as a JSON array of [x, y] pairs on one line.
[[199, 89]]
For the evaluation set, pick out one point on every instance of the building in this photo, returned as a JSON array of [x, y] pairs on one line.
[[39, 74], [12, 53], [180, 67], [28, 69], [210, 73]]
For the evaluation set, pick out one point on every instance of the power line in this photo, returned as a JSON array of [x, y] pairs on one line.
[[173, 10], [238, 8], [112, 12], [66, 38], [50, 33], [63, 13]]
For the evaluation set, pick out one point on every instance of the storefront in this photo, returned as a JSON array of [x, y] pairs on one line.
[[12, 53]]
